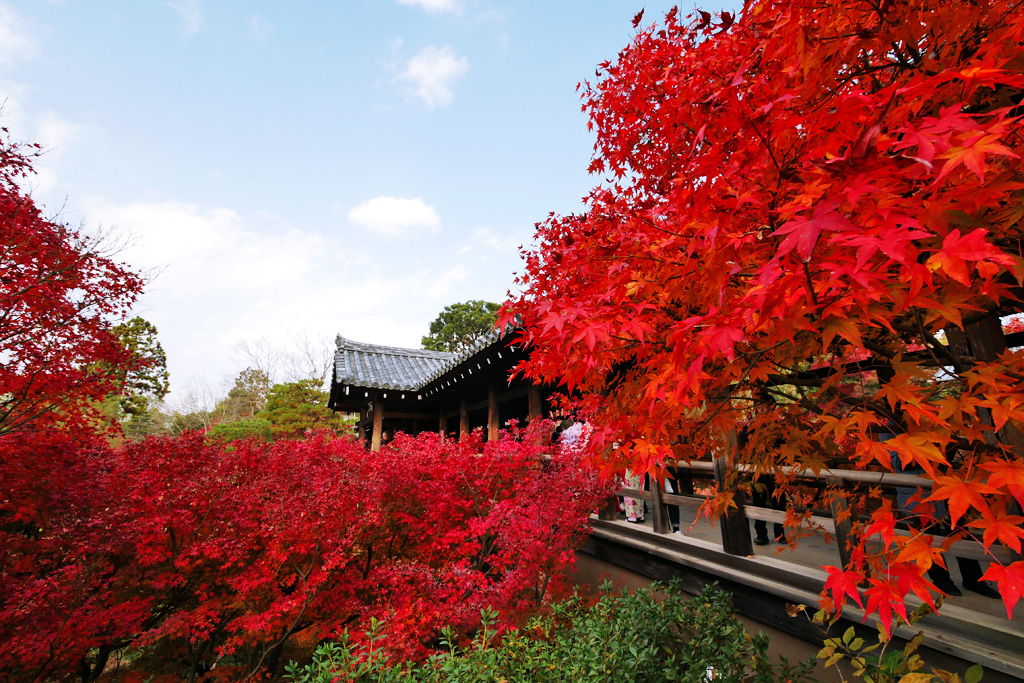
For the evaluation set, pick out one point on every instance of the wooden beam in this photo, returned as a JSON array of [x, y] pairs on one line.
[[463, 418], [493, 421], [396, 415], [378, 424], [500, 398]]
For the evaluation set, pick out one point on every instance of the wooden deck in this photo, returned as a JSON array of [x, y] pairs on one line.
[[971, 629]]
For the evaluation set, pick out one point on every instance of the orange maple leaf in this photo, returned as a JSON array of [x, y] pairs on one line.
[[972, 155], [919, 550], [1005, 528], [961, 495], [1006, 473]]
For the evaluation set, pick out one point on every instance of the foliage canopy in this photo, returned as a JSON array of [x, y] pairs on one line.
[[60, 294], [809, 225], [459, 325]]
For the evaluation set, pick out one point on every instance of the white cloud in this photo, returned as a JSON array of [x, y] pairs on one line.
[[223, 277], [191, 12], [394, 216], [16, 42], [260, 28], [433, 5], [441, 285], [491, 239], [55, 133], [432, 73]]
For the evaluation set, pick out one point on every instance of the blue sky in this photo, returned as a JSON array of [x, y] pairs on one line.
[[289, 169]]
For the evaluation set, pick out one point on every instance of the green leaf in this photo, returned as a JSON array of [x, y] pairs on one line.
[[974, 674]]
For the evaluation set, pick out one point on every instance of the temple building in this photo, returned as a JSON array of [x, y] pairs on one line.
[[412, 390]]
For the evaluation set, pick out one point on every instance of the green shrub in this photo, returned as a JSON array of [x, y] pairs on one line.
[[634, 637], [255, 428]]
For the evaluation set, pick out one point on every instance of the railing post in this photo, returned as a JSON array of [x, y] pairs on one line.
[[609, 511], [735, 526], [842, 517], [659, 510], [684, 480]]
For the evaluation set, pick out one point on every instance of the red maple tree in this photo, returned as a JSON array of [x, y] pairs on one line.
[[60, 296], [809, 225]]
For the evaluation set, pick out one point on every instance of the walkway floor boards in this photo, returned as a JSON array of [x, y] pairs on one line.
[[971, 628]]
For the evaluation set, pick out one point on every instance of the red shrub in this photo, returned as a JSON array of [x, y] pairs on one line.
[[185, 558]]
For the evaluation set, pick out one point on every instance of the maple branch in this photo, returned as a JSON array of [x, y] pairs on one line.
[[934, 345], [810, 286], [878, 349], [765, 142]]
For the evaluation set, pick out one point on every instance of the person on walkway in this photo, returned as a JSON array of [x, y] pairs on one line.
[[634, 506], [765, 495]]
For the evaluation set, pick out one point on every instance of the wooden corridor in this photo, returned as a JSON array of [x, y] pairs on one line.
[[971, 629]]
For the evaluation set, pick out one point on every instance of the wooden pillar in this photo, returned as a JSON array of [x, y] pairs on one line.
[[361, 427], [987, 342], [535, 410], [378, 424], [609, 510], [442, 422], [735, 526], [492, 414], [463, 418], [683, 481], [842, 516], [661, 522]]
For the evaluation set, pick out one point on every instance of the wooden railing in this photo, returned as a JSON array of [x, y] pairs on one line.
[[735, 525]]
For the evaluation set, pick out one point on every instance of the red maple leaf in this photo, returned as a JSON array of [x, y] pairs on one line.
[[1010, 581], [843, 585], [802, 232], [884, 597]]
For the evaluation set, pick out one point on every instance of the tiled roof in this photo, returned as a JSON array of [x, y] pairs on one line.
[[390, 367], [384, 367]]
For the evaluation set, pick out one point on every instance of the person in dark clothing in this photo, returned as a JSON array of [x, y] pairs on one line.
[[765, 495]]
